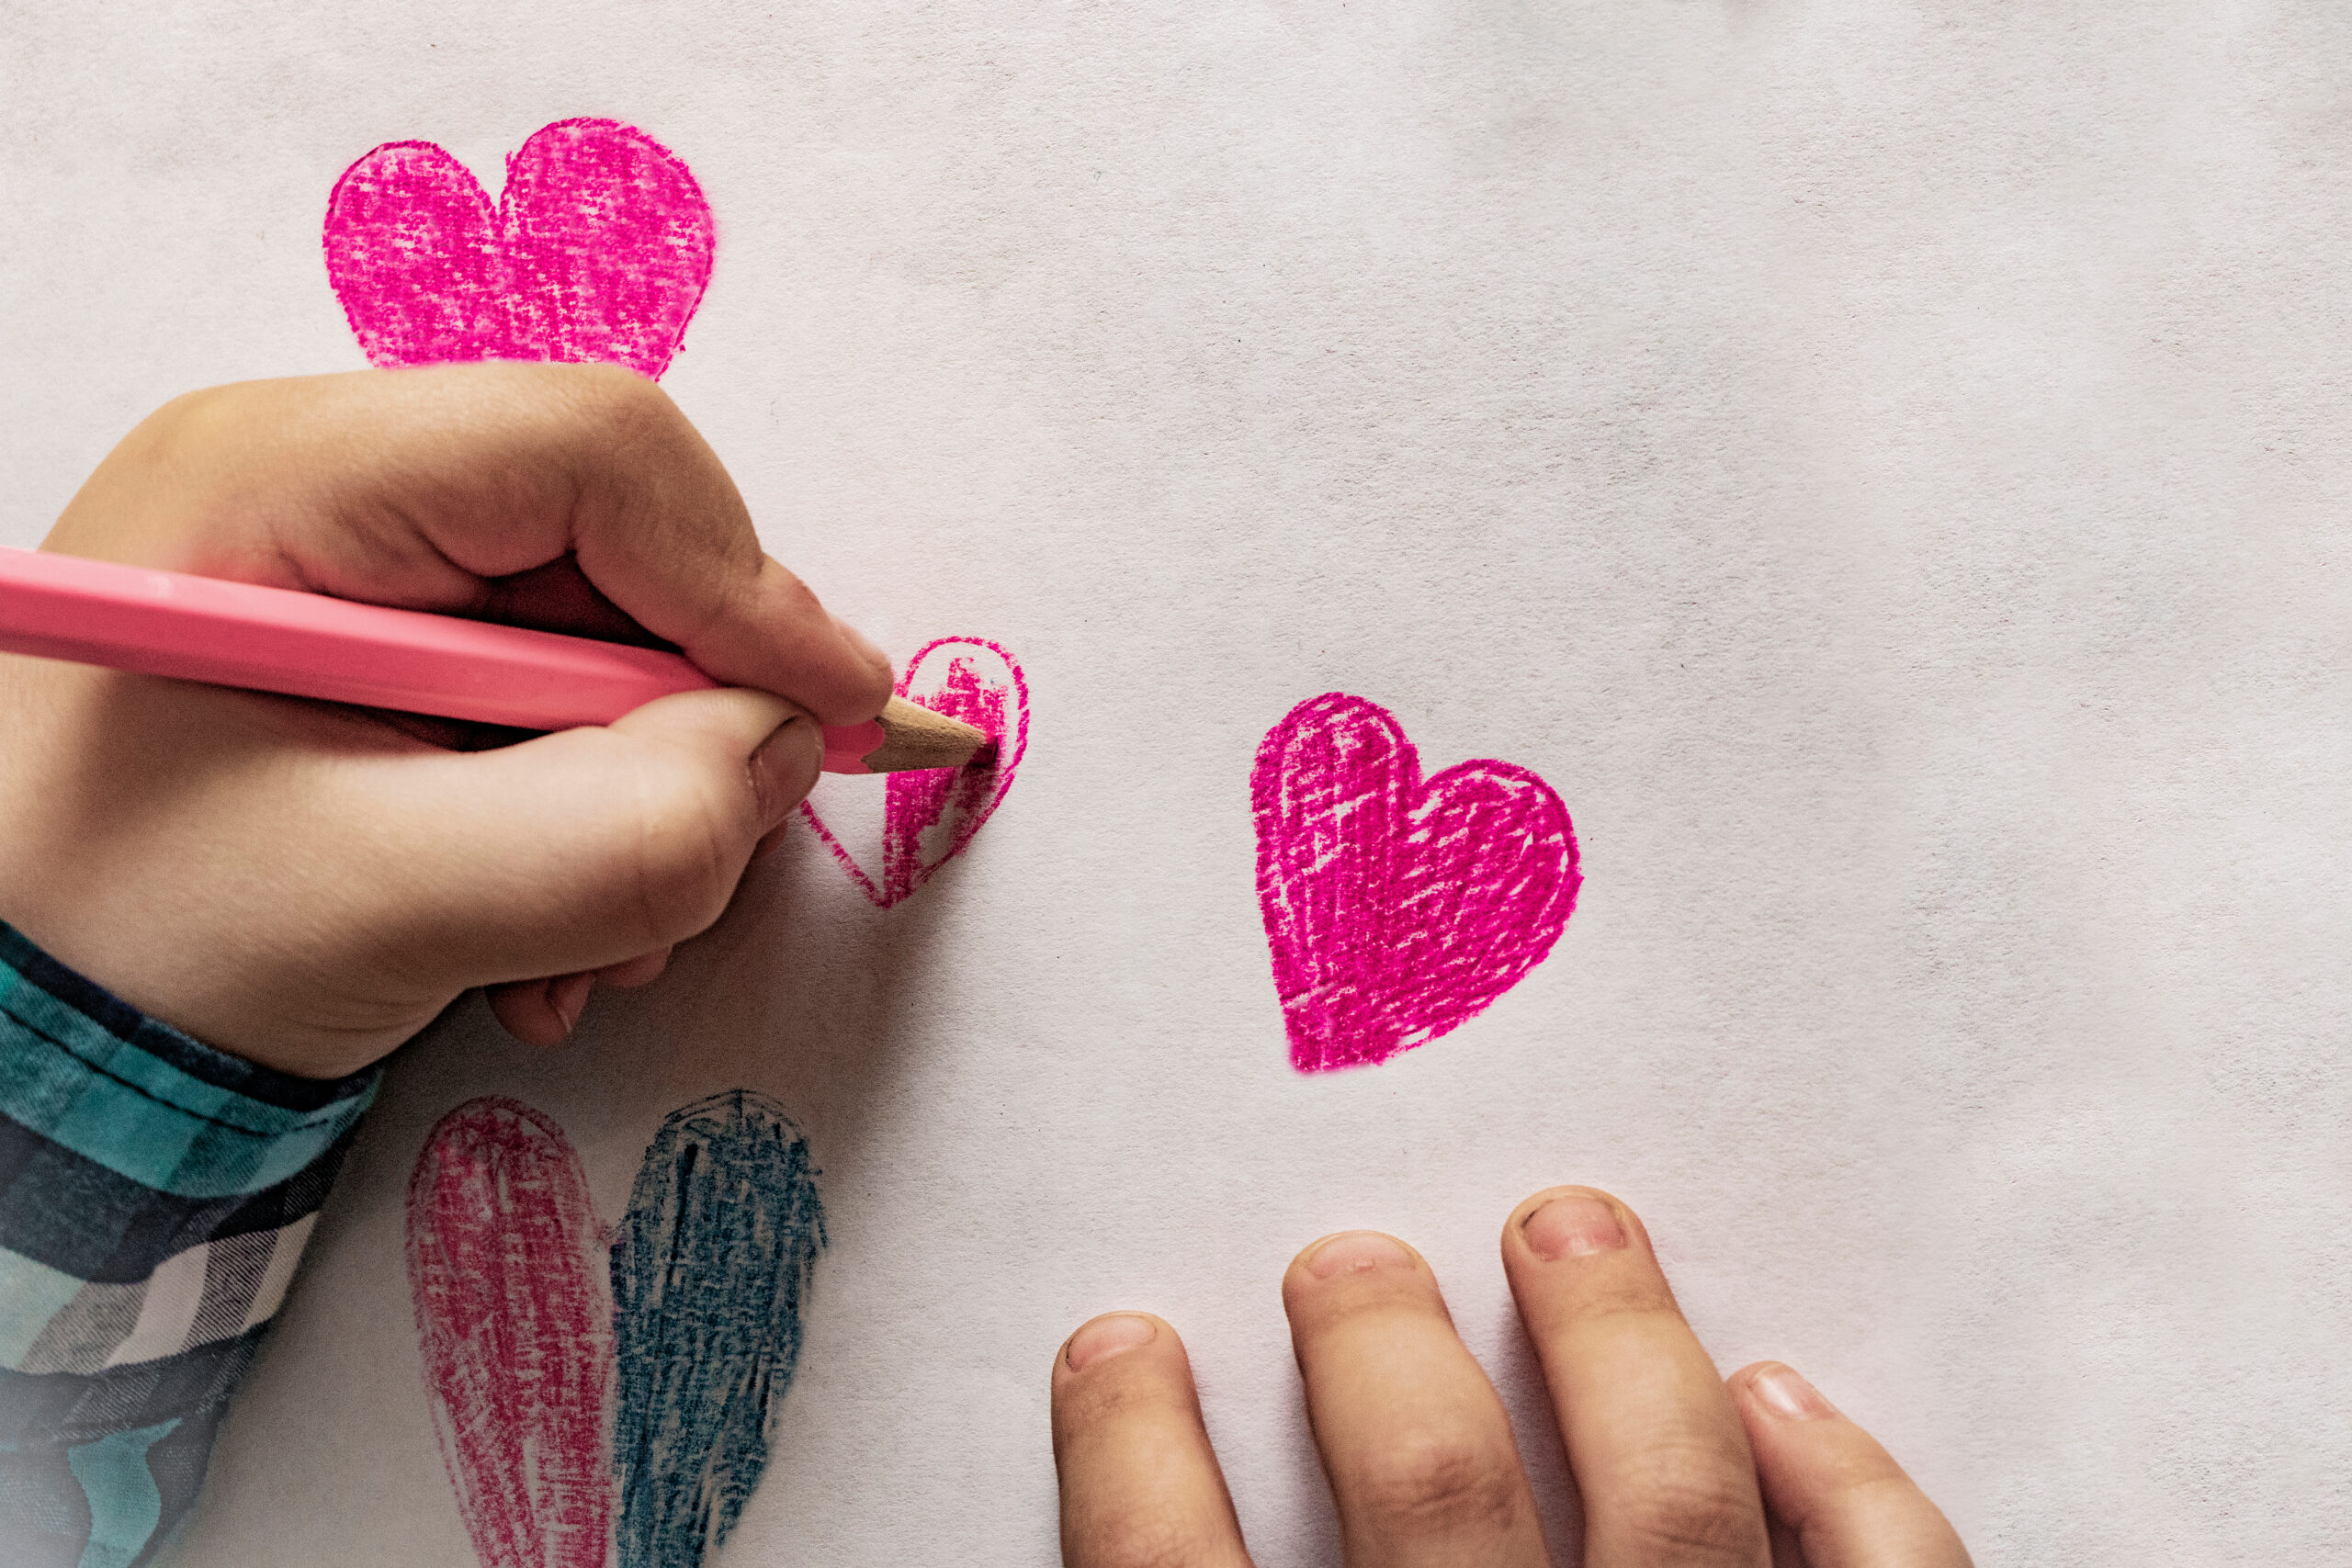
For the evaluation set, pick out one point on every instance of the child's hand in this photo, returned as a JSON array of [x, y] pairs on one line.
[[1674, 1465], [306, 885]]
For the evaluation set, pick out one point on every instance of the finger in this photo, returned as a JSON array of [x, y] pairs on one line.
[[575, 851], [771, 837], [453, 488], [1842, 1496], [547, 1011], [1659, 1453], [1418, 1449], [558, 597], [642, 970], [1140, 1486], [541, 1012]]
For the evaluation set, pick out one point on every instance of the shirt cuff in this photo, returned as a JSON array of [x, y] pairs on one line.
[[155, 1196]]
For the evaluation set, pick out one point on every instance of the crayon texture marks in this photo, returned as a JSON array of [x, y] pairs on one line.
[[1395, 908], [583, 1428], [598, 249], [927, 816], [516, 1330], [710, 1272]]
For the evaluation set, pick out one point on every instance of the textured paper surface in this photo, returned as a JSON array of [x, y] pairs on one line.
[[1881, 462]]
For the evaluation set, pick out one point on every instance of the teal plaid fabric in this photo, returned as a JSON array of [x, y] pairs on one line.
[[154, 1199]]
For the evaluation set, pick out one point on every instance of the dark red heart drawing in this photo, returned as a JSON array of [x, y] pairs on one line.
[[515, 1322]]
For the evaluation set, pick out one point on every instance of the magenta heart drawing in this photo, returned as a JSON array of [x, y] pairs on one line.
[[1398, 908], [927, 818], [598, 250]]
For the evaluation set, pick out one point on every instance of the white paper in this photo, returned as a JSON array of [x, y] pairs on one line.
[[1881, 462]]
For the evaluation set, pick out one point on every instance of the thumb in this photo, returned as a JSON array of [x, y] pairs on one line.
[[582, 848]]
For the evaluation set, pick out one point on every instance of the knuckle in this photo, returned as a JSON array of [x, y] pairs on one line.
[[1351, 1307], [690, 848], [1099, 1402], [1128, 1540], [1636, 1298], [1693, 1513], [1854, 1496], [620, 406], [192, 407], [788, 594], [1437, 1484], [189, 425]]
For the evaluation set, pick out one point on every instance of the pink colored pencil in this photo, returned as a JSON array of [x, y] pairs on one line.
[[309, 644]]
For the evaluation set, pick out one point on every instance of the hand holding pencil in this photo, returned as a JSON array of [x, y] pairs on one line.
[[308, 884]]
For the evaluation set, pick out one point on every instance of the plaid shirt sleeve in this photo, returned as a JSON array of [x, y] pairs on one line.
[[154, 1199]]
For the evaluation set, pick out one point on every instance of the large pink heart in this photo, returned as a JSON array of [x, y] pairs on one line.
[[1397, 909], [598, 249], [928, 817]]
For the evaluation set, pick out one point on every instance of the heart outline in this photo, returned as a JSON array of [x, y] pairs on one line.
[[908, 796]]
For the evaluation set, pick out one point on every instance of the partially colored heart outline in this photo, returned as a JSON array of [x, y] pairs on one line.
[[598, 249], [1398, 908], [944, 807]]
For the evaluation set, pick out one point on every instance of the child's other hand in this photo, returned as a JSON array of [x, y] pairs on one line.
[[306, 885], [1674, 1465]]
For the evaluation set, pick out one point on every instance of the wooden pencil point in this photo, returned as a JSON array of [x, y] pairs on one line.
[[913, 737]]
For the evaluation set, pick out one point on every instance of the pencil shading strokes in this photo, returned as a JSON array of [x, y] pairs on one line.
[[598, 249], [927, 816], [515, 1326], [710, 1272], [1396, 908]]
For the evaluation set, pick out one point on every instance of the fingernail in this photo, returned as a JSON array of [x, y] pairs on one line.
[[1107, 1337], [784, 768], [1357, 1252], [569, 997], [1789, 1394], [1573, 1226]]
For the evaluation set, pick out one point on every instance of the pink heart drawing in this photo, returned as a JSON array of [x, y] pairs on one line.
[[929, 816], [598, 249], [1396, 908]]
